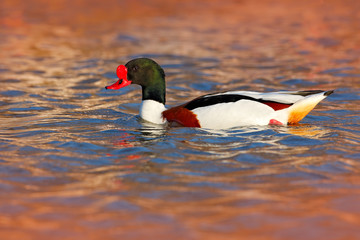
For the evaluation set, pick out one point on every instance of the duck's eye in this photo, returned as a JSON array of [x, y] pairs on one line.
[[135, 68]]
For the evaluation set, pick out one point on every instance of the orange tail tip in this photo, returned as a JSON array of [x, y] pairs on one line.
[[301, 108], [297, 115]]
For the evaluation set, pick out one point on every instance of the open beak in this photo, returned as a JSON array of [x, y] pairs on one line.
[[121, 72]]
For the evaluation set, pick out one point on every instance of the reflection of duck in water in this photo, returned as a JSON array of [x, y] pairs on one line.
[[217, 110]]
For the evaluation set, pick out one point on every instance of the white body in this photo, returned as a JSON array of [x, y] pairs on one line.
[[242, 112]]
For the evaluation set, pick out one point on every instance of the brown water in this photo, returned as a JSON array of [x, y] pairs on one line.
[[76, 162]]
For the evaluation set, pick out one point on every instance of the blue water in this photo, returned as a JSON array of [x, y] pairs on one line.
[[76, 161]]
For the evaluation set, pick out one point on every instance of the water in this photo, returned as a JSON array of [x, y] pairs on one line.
[[76, 162]]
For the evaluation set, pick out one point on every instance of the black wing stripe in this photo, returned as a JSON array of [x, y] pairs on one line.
[[226, 98]]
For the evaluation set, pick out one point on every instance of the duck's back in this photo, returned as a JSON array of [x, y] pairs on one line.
[[240, 108]]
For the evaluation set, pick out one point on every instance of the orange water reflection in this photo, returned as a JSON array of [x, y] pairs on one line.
[[48, 49]]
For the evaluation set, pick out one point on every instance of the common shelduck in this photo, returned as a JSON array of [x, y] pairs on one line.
[[217, 110]]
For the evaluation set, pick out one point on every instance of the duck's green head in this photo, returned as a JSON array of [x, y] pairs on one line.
[[146, 73]]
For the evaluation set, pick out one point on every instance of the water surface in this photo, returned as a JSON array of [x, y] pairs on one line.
[[76, 162]]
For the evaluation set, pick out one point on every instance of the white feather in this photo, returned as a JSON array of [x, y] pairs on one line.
[[151, 110], [233, 114]]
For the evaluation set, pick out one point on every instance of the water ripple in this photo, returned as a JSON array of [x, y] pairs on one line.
[[76, 160]]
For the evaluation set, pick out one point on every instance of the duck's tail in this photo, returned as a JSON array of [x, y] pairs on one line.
[[302, 107]]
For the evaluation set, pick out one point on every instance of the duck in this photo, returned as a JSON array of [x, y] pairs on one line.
[[220, 110]]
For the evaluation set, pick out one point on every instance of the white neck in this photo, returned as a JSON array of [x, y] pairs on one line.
[[151, 111]]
